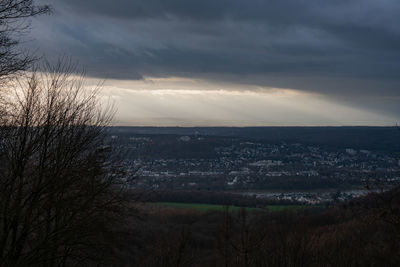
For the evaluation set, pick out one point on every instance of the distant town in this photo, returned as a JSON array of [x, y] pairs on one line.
[[276, 170]]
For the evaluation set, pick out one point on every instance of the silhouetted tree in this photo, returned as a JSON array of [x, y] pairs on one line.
[[14, 15], [59, 185]]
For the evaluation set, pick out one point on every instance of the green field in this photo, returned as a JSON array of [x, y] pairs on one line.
[[207, 207]]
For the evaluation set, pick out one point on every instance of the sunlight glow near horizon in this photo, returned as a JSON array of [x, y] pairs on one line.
[[187, 102]]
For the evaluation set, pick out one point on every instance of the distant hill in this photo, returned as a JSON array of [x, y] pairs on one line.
[[374, 138]]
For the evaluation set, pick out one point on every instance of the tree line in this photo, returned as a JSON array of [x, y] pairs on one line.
[[362, 232]]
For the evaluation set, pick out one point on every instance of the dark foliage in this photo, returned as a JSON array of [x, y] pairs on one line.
[[364, 232], [59, 184]]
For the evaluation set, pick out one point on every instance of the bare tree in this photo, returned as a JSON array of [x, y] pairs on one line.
[[58, 183], [14, 15]]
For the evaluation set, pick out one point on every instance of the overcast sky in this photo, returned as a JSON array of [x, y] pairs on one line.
[[234, 62]]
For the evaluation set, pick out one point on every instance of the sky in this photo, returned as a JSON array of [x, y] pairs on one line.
[[233, 62]]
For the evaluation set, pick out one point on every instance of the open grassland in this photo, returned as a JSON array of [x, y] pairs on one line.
[[207, 207]]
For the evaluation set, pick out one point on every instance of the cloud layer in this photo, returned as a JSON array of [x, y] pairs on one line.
[[347, 50]]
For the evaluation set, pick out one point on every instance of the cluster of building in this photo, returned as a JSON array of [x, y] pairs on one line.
[[237, 164], [310, 198]]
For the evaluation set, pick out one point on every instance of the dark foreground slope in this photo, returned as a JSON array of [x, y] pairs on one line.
[[364, 232]]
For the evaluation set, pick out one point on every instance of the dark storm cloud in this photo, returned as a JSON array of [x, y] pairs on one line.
[[193, 10], [337, 47]]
